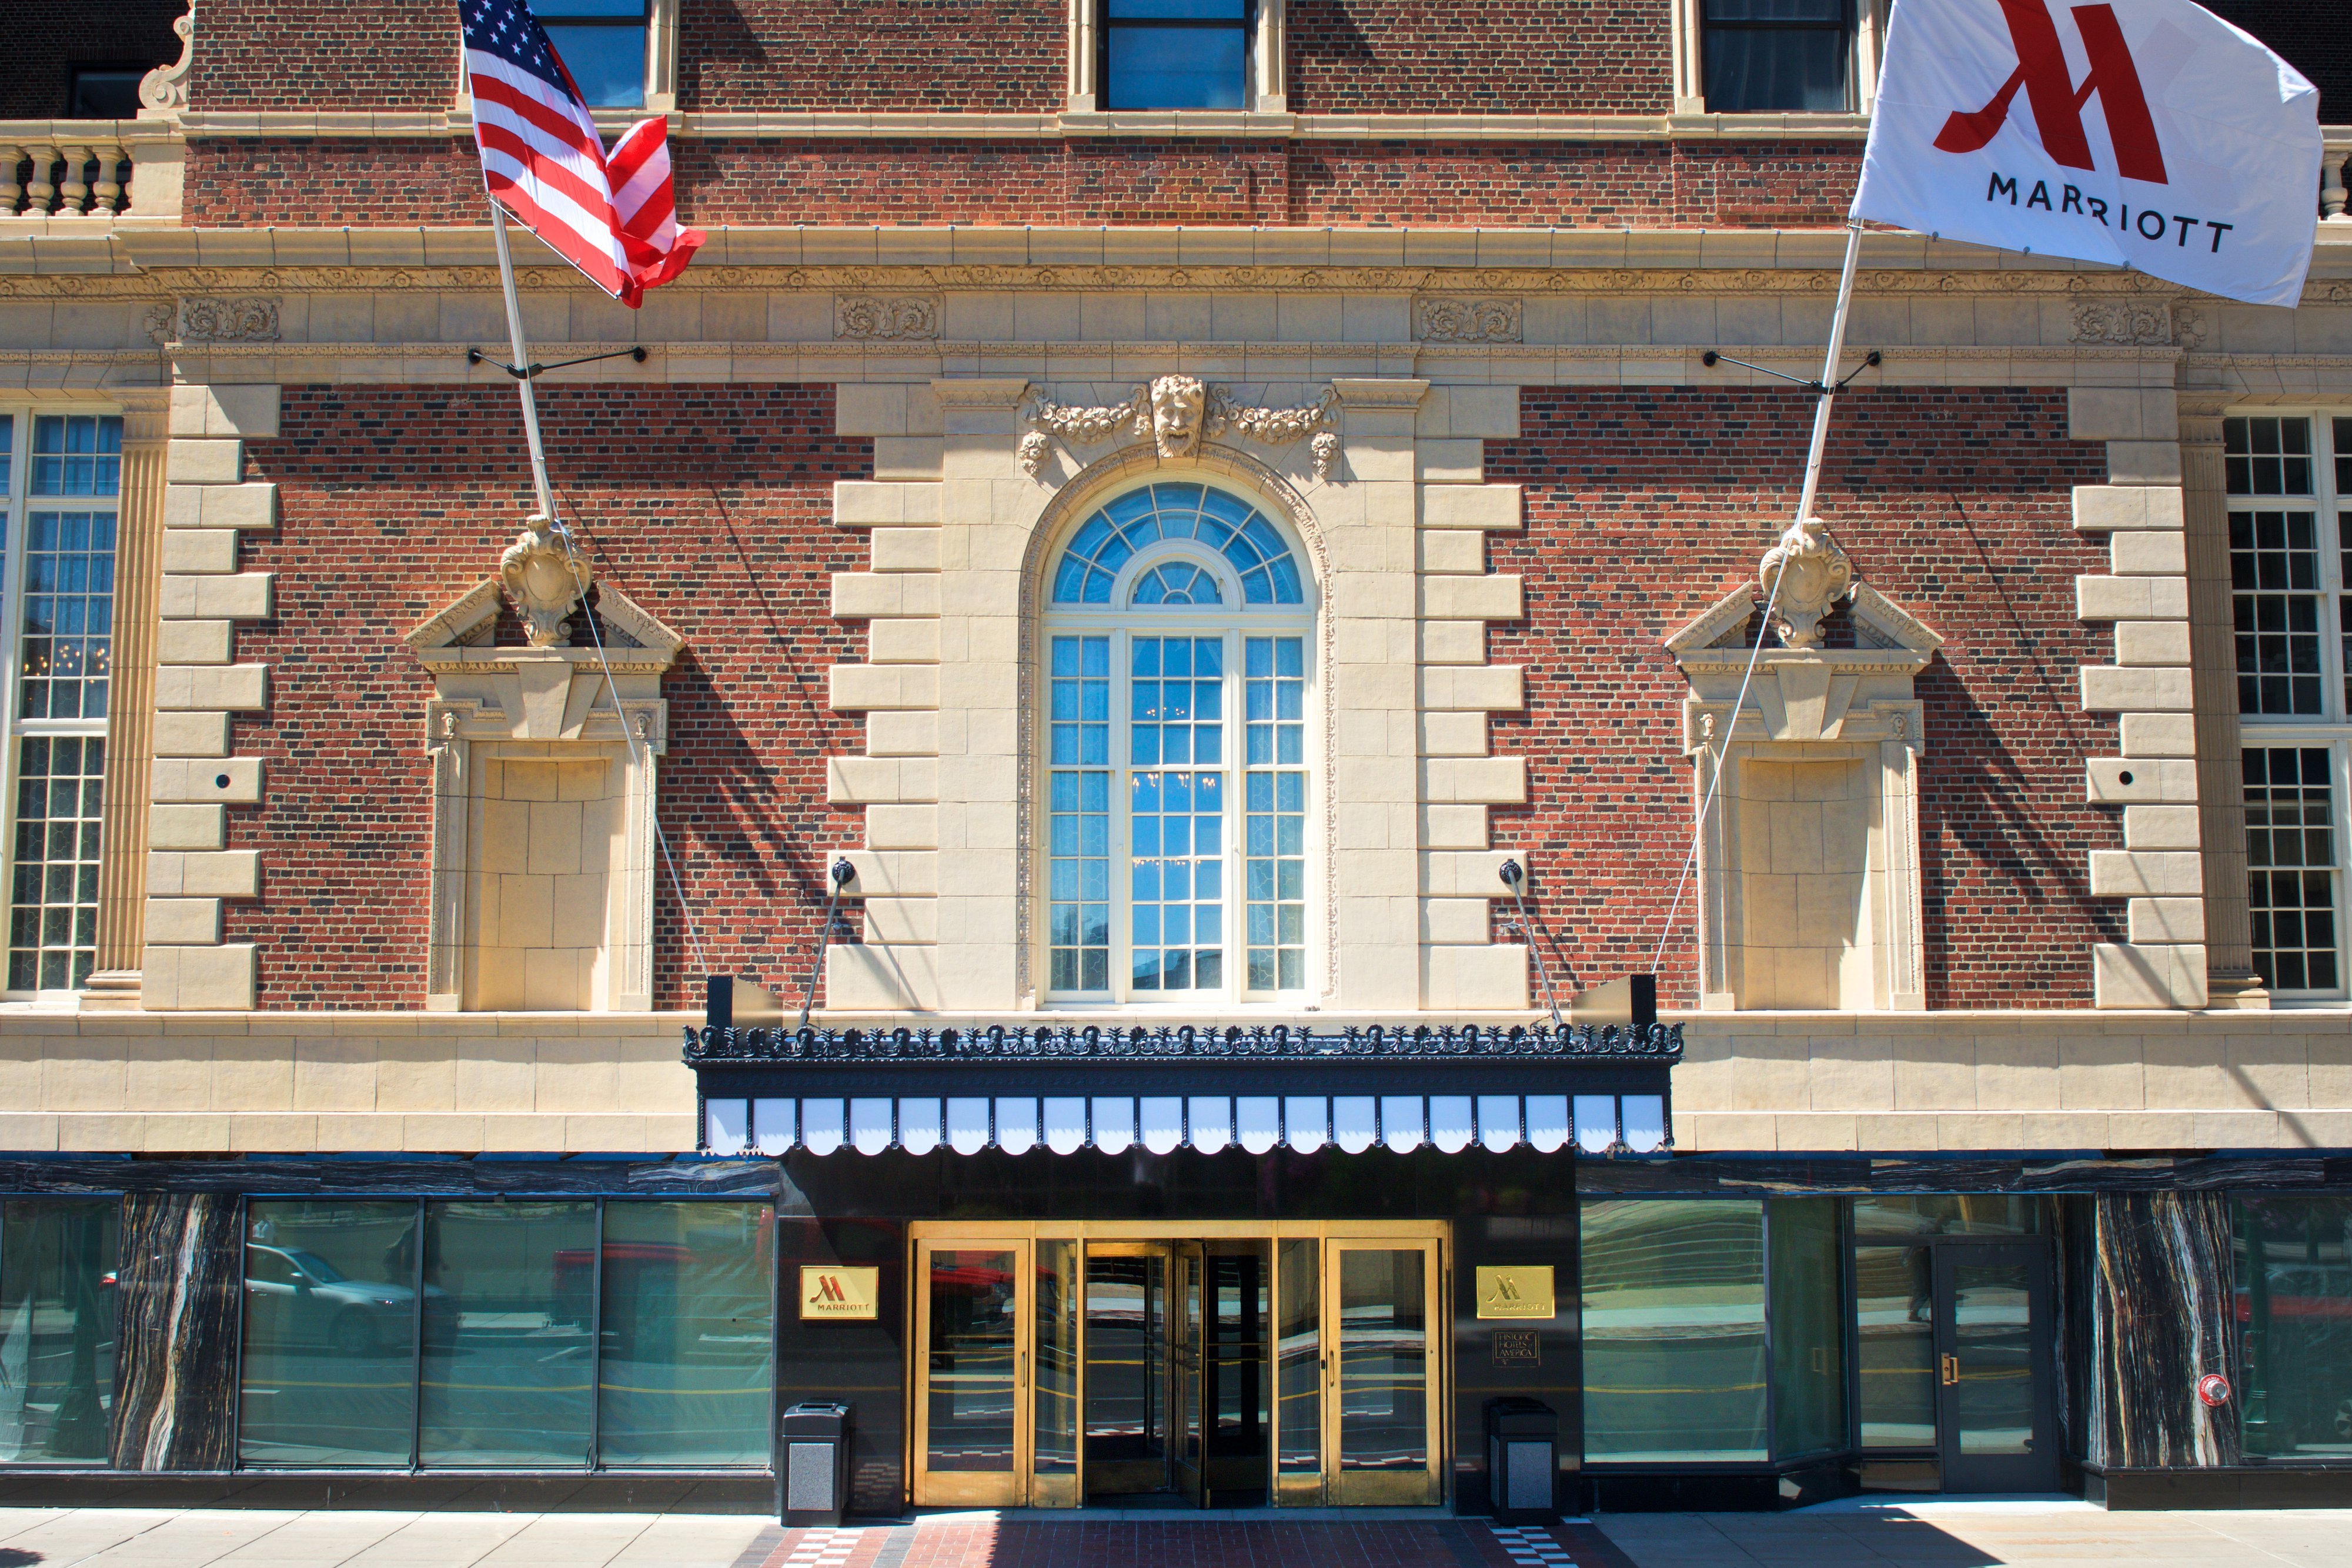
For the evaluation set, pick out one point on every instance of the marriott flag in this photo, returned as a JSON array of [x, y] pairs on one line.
[[2147, 133]]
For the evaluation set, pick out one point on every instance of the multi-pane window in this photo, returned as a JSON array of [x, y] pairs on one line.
[[1175, 54], [1777, 56], [2290, 866], [1176, 748], [2290, 486], [59, 478], [603, 43]]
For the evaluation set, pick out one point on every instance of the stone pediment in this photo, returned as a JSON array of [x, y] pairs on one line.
[[1801, 695], [458, 637], [1718, 638]]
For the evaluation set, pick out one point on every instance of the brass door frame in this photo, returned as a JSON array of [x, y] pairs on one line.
[[953, 1489], [1168, 1252], [973, 1488], [1397, 1489]]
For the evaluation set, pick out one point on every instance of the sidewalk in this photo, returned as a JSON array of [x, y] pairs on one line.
[[1855, 1533]]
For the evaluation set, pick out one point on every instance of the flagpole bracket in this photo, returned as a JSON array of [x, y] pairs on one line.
[[526, 372], [1871, 361]]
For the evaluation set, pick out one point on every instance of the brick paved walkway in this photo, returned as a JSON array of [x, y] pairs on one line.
[[1182, 1544]]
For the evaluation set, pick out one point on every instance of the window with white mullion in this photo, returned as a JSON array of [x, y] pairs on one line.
[[1176, 686], [60, 485], [2289, 479]]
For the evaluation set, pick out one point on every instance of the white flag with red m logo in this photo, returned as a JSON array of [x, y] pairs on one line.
[[2147, 133]]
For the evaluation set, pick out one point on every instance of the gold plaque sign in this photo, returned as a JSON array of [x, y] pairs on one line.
[[831, 1292], [1521, 1290]]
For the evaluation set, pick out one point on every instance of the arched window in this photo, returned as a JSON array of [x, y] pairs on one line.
[[1176, 686]]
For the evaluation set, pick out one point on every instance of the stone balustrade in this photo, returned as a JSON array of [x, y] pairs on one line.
[[85, 169], [2332, 194]]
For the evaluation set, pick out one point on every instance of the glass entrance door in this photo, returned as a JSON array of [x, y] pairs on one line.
[[1296, 1363], [1995, 1426], [972, 1343], [1380, 1389]]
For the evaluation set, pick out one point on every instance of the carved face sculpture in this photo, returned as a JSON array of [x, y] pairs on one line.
[[1176, 408]]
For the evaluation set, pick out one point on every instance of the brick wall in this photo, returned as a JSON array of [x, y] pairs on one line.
[[243, 181], [1645, 507], [1479, 57], [301, 54], [710, 506], [48, 38], [960, 55]]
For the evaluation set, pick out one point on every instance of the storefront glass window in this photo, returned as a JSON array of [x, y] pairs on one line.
[[688, 1333], [1894, 1219], [1674, 1330], [1808, 1326], [1298, 1373], [509, 1310], [1894, 1301], [2293, 1289], [329, 1335], [57, 1330]]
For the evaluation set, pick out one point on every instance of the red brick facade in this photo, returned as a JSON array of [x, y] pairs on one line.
[[1563, 185], [957, 55], [1644, 507], [1479, 57], [711, 506], [296, 54]]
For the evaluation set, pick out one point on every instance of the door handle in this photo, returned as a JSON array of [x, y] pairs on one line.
[[1951, 1371]]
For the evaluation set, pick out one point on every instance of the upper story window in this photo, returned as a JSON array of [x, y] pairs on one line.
[[1175, 54], [104, 93], [60, 475], [2289, 478], [1177, 682], [1765, 56], [603, 43]]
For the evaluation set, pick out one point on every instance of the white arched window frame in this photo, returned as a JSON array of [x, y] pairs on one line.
[[1180, 804]]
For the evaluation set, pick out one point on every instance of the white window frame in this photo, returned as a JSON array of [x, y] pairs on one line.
[[2332, 726], [1688, 42], [661, 70], [1267, 90], [1237, 621], [18, 500]]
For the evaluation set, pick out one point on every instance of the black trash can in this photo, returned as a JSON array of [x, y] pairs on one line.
[[1522, 1459], [817, 1463]]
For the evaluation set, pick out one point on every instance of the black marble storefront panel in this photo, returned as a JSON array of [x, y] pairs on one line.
[[2160, 1301], [176, 1365]]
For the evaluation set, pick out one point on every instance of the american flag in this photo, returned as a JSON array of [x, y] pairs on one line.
[[613, 217]]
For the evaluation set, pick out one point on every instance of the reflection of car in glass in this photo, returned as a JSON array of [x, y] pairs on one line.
[[2299, 1338], [293, 1296]]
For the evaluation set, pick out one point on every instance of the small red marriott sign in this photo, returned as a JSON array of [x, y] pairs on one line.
[[2147, 133]]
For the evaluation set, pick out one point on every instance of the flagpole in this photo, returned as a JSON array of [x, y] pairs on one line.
[[522, 362], [1829, 366]]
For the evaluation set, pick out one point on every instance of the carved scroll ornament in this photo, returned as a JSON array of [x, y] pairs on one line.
[[1813, 574], [544, 580]]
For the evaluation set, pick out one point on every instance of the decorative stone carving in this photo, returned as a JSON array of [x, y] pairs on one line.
[[1033, 450], [1453, 320], [902, 317], [544, 580], [1813, 575], [1176, 411], [1088, 426], [1326, 447], [1274, 426], [163, 91], [1177, 406], [2126, 323], [206, 321]]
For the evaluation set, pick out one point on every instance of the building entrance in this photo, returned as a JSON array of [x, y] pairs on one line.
[[1056, 1365], [1995, 1430]]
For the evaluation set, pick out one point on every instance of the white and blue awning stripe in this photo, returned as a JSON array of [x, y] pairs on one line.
[[1113, 1124]]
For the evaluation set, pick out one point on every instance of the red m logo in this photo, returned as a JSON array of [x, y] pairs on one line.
[[2058, 103]]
